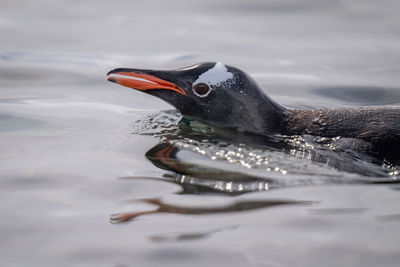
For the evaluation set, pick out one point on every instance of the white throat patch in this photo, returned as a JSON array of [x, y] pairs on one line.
[[215, 76]]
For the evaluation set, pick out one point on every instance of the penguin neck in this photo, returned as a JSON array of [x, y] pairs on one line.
[[264, 117], [273, 116]]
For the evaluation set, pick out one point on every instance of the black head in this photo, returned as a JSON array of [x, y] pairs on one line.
[[219, 95]]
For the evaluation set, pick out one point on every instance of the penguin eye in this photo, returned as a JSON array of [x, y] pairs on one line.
[[201, 89]]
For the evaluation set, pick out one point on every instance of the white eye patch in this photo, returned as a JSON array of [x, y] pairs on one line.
[[215, 76]]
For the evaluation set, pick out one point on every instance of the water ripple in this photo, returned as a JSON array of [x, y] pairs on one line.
[[301, 159]]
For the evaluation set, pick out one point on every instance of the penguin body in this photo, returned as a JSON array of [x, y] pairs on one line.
[[226, 97]]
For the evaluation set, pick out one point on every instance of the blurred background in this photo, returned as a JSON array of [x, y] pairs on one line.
[[281, 43], [66, 133]]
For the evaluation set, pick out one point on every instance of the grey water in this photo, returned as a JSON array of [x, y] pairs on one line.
[[95, 174]]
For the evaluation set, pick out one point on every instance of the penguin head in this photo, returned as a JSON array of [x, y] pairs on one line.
[[213, 93]]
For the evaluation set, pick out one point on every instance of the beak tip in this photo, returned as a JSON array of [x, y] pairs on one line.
[[112, 79], [111, 71]]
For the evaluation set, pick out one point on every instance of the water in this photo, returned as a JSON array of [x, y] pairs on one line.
[[94, 174]]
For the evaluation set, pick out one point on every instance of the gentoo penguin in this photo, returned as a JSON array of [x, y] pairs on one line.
[[225, 97]]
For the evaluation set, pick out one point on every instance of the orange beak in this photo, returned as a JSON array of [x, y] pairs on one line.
[[142, 82]]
